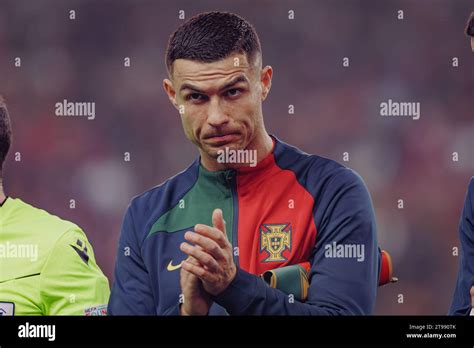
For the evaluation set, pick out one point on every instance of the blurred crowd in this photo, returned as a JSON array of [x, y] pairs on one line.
[[336, 110]]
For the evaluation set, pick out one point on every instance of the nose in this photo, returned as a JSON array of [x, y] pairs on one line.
[[216, 117]]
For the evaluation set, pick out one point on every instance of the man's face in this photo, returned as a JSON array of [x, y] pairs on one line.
[[220, 102]]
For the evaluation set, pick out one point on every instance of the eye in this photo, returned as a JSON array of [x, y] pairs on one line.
[[234, 92], [195, 97]]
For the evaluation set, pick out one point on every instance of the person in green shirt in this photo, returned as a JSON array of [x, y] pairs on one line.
[[47, 265]]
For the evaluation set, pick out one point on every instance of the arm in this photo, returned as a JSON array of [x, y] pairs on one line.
[[131, 292], [338, 286], [71, 283]]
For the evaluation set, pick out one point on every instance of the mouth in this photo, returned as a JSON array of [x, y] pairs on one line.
[[222, 139]]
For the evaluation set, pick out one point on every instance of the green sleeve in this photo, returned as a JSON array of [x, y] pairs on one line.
[[71, 282]]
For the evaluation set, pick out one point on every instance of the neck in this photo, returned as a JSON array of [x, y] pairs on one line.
[[262, 145]]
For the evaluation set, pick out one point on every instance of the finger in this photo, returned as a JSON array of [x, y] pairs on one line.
[[192, 260], [198, 271], [185, 276], [204, 258], [218, 220], [206, 244], [213, 233]]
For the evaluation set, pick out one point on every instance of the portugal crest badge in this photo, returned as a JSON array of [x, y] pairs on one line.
[[275, 239]]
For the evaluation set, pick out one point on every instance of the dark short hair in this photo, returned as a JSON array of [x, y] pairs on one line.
[[5, 133], [212, 36], [470, 25]]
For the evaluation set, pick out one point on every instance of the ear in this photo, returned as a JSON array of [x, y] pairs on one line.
[[266, 81], [170, 91]]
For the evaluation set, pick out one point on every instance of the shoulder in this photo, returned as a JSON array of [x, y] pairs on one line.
[[33, 233], [470, 190], [147, 207], [315, 172], [468, 211], [40, 234], [39, 223], [167, 191]]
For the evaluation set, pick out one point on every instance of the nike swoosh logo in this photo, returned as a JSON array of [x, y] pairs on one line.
[[172, 267]]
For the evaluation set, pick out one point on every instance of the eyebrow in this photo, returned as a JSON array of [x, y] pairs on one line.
[[235, 80]]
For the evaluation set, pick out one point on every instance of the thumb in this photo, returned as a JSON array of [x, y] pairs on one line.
[[218, 220]]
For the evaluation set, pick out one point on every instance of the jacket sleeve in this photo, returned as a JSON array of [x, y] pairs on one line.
[[71, 282], [344, 285], [461, 304], [131, 292]]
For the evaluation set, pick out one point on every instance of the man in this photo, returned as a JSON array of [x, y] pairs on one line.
[[463, 300], [198, 243], [47, 266]]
